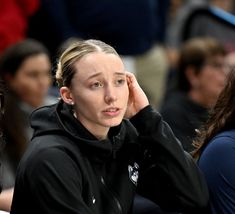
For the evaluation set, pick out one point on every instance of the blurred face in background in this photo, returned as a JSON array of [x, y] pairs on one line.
[[32, 80], [209, 82]]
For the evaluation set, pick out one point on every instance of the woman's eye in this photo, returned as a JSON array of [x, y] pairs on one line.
[[33, 75], [97, 85], [120, 81]]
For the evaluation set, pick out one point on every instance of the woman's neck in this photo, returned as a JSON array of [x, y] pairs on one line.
[[99, 132]]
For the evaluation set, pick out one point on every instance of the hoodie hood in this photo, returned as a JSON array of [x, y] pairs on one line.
[[58, 120]]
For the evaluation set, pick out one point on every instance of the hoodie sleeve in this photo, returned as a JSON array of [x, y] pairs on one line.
[[169, 176]]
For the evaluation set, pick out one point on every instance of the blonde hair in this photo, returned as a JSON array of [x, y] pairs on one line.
[[65, 68]]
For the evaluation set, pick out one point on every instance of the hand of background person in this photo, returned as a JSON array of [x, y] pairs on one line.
[[137, 98]]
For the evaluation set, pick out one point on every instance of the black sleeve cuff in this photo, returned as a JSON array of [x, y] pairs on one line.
[[145, 120]]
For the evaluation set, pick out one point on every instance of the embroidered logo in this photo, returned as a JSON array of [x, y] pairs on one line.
[[93, 199], [133, 173]]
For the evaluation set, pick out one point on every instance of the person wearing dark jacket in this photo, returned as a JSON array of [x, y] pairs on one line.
[[86, 158], [190, 95]]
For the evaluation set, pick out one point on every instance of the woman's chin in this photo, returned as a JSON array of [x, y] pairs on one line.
[[114, 122]]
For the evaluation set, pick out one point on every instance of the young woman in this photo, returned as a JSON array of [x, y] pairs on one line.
[[86, 158], [217, 150]]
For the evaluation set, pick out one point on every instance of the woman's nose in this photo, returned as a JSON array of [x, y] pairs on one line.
[[110, 95]]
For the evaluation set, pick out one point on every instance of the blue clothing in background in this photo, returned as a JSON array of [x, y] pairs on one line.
[[130, 26], [218, 164]]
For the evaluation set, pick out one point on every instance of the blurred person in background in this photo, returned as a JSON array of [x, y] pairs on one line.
[[25, 68], [199, 79], [216, 150]]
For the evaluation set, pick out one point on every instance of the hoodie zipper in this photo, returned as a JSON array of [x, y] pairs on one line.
[[112, 194]]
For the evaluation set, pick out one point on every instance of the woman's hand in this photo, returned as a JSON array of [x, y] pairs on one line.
[[137, 98]]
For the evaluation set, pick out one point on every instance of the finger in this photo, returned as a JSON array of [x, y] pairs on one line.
[[130, 76], [132, 81]]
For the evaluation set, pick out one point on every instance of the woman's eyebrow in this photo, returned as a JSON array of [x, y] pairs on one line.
[[120, 73], [100, 73]]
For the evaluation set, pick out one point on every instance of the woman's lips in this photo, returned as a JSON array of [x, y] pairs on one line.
[[112, 112]]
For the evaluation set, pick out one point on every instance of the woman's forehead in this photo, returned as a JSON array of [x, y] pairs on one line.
[[98, 57], [98, 64]]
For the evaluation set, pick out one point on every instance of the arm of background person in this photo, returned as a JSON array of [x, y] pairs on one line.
[[6, 199]]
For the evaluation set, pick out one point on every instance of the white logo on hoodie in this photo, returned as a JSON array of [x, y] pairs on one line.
[[133, 173]]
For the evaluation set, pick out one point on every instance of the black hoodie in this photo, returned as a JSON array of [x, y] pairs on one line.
[[67, 170]]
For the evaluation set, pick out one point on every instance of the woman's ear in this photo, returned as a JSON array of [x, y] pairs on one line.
[[66, 95]]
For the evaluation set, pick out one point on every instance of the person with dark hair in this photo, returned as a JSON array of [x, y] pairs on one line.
[[25, 69], [84, 156], [216, 150], [199, 79], [23, 63]]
